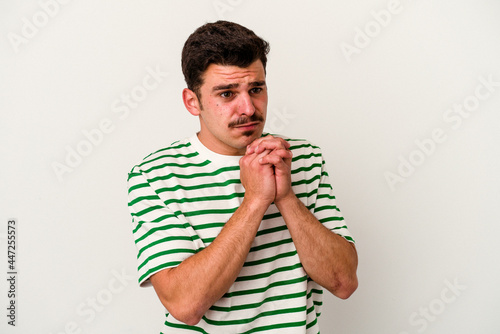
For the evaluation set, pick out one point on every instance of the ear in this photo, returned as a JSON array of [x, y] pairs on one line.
[[191, 102]]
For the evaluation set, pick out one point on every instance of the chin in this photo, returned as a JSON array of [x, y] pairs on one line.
[[250, 136]]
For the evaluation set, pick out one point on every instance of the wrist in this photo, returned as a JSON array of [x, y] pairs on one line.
[[255, 204], [288, 200]]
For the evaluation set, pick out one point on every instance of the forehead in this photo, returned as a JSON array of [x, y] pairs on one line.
[[216, 74]]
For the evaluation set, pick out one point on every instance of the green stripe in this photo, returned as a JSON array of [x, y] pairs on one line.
[[272, 230], [195, 175], [294, 147], [158, 268], [143, 198], [209, 211], [200, 186], [156, 220], [309, 194], [167, 239], [208, 225], [170, 147], [276, 326], [208, 240], [305, 169], [267, 328], [249, 320], [147, 210], [306, 156], [137, 186], [167, 252], [173, 164], [133, 174], [160, 228], [179, 155], [327, 207], [271, 244], [306, 181], [327, 195], [332, 218], [259, 304], [269, 259], [348, 238], [264, 289], [204, 198], [184, 326], [272, 216], [268, 274], [311, 324]]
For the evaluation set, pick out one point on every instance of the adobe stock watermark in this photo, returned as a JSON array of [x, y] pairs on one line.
[[278, 119], [421, 319], [453, 117], [31, 27], [121, 108], [371, 30], [223, 6], [88, 309]]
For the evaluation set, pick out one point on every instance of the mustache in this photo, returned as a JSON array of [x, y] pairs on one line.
[[246, 119]]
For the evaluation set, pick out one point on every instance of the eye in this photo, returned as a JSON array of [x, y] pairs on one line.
[[256, 90], [226, 94]]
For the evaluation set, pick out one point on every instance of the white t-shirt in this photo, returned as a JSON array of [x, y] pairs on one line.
[[181, 196]]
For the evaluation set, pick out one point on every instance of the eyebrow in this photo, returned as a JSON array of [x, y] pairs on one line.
[[235, 85]]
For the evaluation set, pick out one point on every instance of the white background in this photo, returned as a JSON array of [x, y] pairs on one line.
[[434, 225]]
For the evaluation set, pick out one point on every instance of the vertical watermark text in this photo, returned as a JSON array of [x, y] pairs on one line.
[[12, 271]]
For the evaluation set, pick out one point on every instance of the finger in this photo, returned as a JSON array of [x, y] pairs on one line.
[[271, 144], [270, 159], [251, 147], [281, 153], [269, 138], [276, 156]]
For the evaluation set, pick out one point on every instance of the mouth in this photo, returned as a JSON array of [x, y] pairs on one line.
[[247, 126]]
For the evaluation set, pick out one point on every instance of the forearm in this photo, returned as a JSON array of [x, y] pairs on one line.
[[328, 258], [190, 289]]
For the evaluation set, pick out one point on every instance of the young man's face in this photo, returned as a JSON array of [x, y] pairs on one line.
[[233, 107]]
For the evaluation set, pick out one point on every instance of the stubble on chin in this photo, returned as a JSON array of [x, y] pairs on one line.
[[249, 133]]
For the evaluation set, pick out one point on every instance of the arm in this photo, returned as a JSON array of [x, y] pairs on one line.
[[328, 258], [190, 289]]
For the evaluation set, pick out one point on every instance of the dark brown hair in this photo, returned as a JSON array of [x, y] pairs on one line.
[[221, 43]]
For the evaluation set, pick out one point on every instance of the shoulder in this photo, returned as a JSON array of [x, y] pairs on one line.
[[177, 152]]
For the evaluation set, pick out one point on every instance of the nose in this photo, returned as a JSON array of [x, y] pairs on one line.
[[246, 106]]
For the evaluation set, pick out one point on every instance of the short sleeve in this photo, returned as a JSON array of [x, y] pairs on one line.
[[325, 208], [162, 238]]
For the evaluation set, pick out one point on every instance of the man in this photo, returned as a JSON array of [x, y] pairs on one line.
[[237, 231]]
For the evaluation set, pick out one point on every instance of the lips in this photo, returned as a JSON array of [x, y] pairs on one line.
[[247, 126], [247, 121]]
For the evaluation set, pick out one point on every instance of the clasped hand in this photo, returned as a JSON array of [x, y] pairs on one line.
[[266, 169]]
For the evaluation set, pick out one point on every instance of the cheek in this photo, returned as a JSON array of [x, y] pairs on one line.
[[262, 100], [261, 105]]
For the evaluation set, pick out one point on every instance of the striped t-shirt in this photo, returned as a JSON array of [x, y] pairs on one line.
[[181, 196]]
